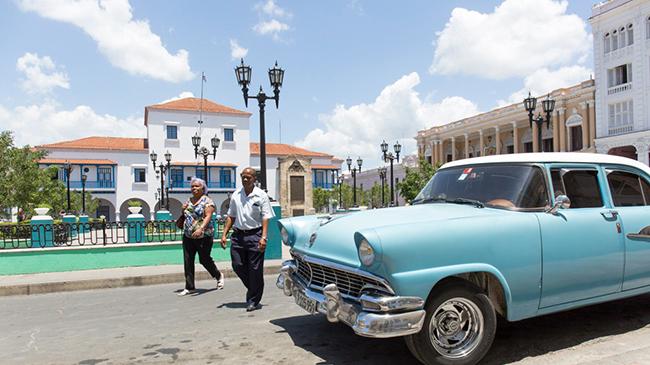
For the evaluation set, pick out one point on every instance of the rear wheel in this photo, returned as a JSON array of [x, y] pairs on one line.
[[458, 328]]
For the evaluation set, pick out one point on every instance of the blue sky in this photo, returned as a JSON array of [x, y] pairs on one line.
[[356, 71]]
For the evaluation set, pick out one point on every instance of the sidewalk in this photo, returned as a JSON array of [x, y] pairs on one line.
[[111, 278]]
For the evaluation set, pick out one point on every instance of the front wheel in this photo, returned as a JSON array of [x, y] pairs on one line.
[[458, 328]]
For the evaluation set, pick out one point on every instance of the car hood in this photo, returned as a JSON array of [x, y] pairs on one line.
[[334, 235]]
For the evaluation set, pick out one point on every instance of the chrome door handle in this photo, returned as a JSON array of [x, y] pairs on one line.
[[609, 214]]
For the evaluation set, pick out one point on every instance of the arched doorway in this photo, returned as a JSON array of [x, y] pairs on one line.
[[175, 207], [106, 209], [124, 209], [624, 151]]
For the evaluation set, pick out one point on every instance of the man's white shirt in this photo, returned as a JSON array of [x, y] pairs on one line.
[[250, 210]]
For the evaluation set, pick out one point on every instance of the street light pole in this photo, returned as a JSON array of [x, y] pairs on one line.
[[354, 177], [83, 193], [382, 177], [530, 103], [388, 156], [68, 168], [203, 151], [162, 170], [276, 77], [340, 181]]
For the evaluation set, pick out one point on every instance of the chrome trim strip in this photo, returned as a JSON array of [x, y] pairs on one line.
[[348, 269]]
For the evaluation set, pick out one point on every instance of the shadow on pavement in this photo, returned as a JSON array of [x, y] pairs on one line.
[[232, 305], [336, 343]]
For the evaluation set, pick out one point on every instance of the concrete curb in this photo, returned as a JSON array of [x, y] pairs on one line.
[[107, 283]]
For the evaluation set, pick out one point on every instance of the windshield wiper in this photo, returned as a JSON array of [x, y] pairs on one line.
[[428, 200], [473, 202]]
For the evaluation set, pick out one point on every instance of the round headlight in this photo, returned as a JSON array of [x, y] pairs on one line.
[[366, 253], [285, 235]]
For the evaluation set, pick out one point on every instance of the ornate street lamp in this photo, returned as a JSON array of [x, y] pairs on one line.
[[162, 170], [530, 103], [84, 177], [68, 169], [340, 182], [203, 151], [389, 156], [354, 172], [382, 177], [276, 77]]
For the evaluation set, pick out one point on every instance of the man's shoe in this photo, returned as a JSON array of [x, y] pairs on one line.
[[184, 292], [221, 281], [252, 306]]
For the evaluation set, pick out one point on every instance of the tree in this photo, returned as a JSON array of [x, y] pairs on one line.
[[321, 199], [415, 179]]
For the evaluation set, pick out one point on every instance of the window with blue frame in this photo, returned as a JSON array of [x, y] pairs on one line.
[[228, 134], [226, 178], [177, 177], [200, 173], [139, 175], [105, 177], [172, 132]]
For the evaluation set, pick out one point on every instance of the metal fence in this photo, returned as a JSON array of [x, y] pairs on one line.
[[92, 234]]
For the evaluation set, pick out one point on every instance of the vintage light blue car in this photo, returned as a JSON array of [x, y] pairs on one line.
[[512, 235]]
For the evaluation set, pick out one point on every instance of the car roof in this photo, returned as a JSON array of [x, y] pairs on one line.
[[549, 157]]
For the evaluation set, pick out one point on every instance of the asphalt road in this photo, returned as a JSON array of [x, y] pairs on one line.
[[152, 325]]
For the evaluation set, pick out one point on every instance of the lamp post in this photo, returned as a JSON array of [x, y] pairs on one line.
[[68, 168], [276, 77], [340, 181], [382, 177], [203, 151], [162, 170], [354, 172], [388, 156], [547, 105], [83, 193]]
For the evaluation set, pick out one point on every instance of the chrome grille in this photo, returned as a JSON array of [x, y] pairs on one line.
[[349, 284]]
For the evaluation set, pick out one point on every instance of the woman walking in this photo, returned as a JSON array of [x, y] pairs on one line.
[[198, 235]]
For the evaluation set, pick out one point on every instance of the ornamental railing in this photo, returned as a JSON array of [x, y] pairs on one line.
[[102, 233]]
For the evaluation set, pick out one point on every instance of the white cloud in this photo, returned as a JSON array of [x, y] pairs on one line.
[[128, 43], [273, 27], [237, 51], [47, 123], [40, 74], [544, 81], [272, 9], [183, 95], [396, 114], [519, 37]]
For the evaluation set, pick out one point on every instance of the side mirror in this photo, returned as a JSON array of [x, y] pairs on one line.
[[561, 202]]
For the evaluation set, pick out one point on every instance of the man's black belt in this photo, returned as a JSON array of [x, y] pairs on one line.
[[247, 231]]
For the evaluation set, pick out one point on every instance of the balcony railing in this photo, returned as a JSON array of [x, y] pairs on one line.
[[101, 184], [211, 185], [619, 88], [322, 185], [612, 131]]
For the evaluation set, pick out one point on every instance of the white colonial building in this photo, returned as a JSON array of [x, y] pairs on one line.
[[621, 33], [120, 169]]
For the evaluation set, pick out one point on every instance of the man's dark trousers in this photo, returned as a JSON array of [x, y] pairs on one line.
[[248, 262]]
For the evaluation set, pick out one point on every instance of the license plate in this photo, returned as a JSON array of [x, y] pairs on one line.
[[305, 302]]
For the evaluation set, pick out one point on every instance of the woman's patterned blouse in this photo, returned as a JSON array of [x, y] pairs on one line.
[[194, 217]]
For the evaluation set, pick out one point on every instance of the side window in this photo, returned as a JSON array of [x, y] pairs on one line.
[[646, 191], [581, 186], [625, 188]]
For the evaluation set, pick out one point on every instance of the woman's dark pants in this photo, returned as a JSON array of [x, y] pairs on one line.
[[203, 246], [248, 262]]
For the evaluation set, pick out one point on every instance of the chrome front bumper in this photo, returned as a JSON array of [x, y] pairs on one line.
[[375, 316]]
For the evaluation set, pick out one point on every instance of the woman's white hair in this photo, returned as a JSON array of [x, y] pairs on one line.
[[204, 186]]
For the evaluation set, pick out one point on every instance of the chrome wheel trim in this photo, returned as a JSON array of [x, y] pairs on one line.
[[456, 328]]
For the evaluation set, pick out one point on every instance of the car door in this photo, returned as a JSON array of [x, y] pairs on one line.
[[630, 192], [582, 249]]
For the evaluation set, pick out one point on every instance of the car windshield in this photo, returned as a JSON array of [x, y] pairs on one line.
[[506, 186]]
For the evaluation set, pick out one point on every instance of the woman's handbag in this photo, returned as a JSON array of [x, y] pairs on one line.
[[180, 222]]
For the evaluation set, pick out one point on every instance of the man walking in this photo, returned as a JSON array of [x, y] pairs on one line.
[[249, 214]]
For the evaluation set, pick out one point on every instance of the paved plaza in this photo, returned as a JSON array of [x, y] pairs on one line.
[[152, 325]]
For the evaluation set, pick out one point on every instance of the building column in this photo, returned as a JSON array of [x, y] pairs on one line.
[[117, 215], [585, 125], [556, 132], [466, 145], [481, 143], [453, 148], [591, 110], [515, 137], [441, 151], [562, 129], [497, 140], [533, 132], [434, 152]]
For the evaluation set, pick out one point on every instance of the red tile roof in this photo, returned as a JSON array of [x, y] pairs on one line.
[[280, 149], [194, 104], [100, 143], [200, 164], [57, 161]]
